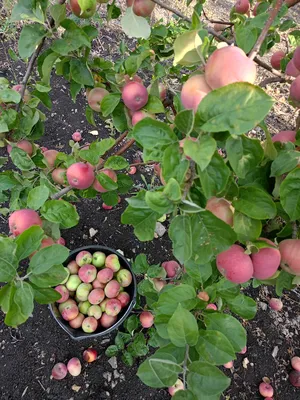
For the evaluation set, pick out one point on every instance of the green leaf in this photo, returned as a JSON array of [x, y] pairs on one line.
[[109, 103], [75, 90], [154, 105], [156, 271], [41, 87], [236, 108], [206, 379], [73, 38], [131, 324], [6, 293], [96, 150], [14, 316], [246, 37], [10, 96], [44, 97], [159, 371], [134, 26], [172, 190], [242, 305], [23, 298], [229, 326], [7, 180], [243, 154], [201, 150], [51, 229], [113, 12], [180, 232], [215, 177], [10, 116], [161, 325], [45, 295], [61, 212], [187, 49], [31, 10], [133, 62], [116, 163], [284, 281], [47, 66], [200, 236], [184, 395], [29, 241], [8, 259], [183, 328], [285, 162], [3, 126], [177, 352], [124, 183], [47, 257], [173, 166], [290, 194], [269, 147], [227, 289], [58, 13], [158, 202], [30, 37], [155, 136], [247, 229], [111, 351], [37, 197], [80, 72], [214, 347], [53, 277], [184, 121], [21, 159], [138, 347], [119, 118], [199, 272], [110, 198], [168, 300], [119, 340], [141, 216], [255, 203], [127, 358], [106, 182], [140, 265]]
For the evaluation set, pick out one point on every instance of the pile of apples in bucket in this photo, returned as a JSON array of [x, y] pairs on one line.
[[92, 298]]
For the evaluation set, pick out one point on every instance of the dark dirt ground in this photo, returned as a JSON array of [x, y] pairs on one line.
[[29, 353]]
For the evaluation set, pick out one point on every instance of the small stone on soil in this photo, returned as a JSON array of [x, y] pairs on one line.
[[160, 230], [113, 362]]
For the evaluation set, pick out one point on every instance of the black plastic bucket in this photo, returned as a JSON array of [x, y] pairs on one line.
[[78, 334]]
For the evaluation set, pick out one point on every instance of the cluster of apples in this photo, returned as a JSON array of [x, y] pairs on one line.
[[79, 175], [142, 8], [225, 66], [25, 218], [243, 6], [60, 370], [134, 95], [239, 267], [94, 295], [292, 69]]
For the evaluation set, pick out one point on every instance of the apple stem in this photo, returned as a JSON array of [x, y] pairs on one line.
[[186, 357], [295, 230]]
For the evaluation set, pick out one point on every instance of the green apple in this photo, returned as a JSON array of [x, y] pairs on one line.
[[83, 8], [99, 259]]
